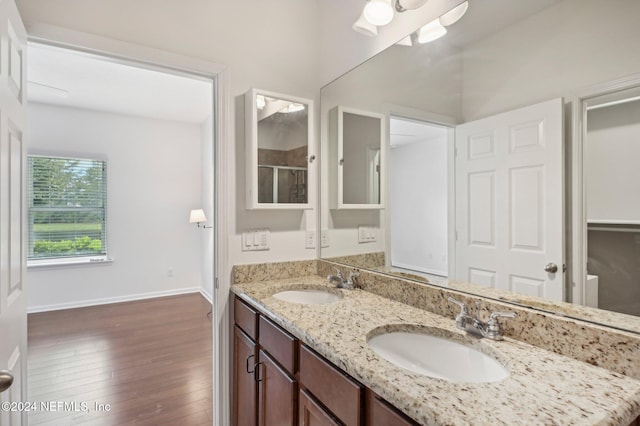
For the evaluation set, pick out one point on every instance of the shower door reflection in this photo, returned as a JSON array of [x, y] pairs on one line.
[[282, 184]]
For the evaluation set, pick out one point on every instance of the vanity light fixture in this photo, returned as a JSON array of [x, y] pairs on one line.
[[365, 27], [404, 5], [198, 216], [378, 12], [452, 16], [430, 32]]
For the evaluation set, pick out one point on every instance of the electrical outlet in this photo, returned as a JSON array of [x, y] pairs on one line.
[[324, 238], [170, 271], [310, 239]]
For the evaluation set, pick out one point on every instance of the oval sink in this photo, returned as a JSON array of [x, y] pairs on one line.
[[308, 296], [437, 357]]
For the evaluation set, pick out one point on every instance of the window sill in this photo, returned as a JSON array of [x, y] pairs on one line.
[[71, 261]]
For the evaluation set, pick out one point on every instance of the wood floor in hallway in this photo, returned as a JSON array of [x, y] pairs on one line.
[[145, 362]]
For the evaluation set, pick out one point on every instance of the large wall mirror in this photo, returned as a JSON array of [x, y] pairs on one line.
[[507, 140], [279, 150]]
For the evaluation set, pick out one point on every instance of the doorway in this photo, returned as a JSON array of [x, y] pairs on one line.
[[612, 182], [418, 197], [159, 156]]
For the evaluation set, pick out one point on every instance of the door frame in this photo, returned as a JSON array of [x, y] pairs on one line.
[[577, 251], [223, 157], [393, 110]]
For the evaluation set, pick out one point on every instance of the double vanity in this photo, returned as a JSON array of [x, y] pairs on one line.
[[353, 357]]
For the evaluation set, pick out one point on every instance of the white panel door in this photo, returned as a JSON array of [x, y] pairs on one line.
[[509, 200], [13, 316]]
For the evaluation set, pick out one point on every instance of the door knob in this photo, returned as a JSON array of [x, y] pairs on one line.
[[551, 268], [6, 380]]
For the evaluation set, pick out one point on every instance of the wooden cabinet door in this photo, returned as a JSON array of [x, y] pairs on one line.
[[380, 413], [277, 394], [312, 414], [245, 408]]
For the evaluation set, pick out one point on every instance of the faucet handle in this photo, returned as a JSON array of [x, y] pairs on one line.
[[493, 326], [338, 272], [494, 316], [463, 307]]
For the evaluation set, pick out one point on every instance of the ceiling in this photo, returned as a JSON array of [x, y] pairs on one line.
[[404, 131], [75, 79]]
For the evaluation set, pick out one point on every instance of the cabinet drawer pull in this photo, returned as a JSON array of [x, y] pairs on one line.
[[247, 364], [256, 372]]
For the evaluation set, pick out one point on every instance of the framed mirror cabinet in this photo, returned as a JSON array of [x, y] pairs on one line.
[[280, 151], [357, 158]]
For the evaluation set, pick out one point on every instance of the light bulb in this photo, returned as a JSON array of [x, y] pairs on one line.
[[452, 16], [430, 32], [378, 12], [365, 27]]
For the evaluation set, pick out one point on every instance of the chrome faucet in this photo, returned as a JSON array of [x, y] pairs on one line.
[[490, 329], [349, 283]]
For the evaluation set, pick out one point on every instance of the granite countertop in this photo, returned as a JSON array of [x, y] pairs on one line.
[[543, 388]]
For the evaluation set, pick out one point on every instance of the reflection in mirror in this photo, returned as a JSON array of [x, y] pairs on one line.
[[496, 60], [357, 160], [612, 149], [279, 136], [418, 190]]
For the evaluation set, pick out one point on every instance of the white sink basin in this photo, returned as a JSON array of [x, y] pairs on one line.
[[437, 357], [308, 296]]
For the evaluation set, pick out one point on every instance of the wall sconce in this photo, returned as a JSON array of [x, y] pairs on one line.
[[198, 216]]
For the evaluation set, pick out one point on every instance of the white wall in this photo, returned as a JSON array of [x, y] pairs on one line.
[[611, 163], [567, 47], [418, 205], [154, 177]]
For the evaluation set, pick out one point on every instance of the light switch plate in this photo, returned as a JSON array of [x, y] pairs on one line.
[[366, 234], [255, 240]]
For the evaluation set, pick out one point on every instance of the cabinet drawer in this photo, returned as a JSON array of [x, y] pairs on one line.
[[339, 393], [279, 344], [380, 413], [246, 317]]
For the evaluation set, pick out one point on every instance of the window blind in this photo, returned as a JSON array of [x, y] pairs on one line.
[[67, 207]]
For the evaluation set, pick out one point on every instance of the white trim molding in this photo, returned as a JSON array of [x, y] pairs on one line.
[[578, 250], [110, 300]]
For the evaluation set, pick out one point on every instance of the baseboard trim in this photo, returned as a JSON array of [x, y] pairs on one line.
[[206, 295], [118, 299]]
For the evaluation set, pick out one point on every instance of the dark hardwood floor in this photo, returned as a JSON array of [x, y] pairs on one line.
[[146, 362]]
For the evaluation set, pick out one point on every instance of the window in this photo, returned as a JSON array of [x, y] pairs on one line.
[[67, 208]]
